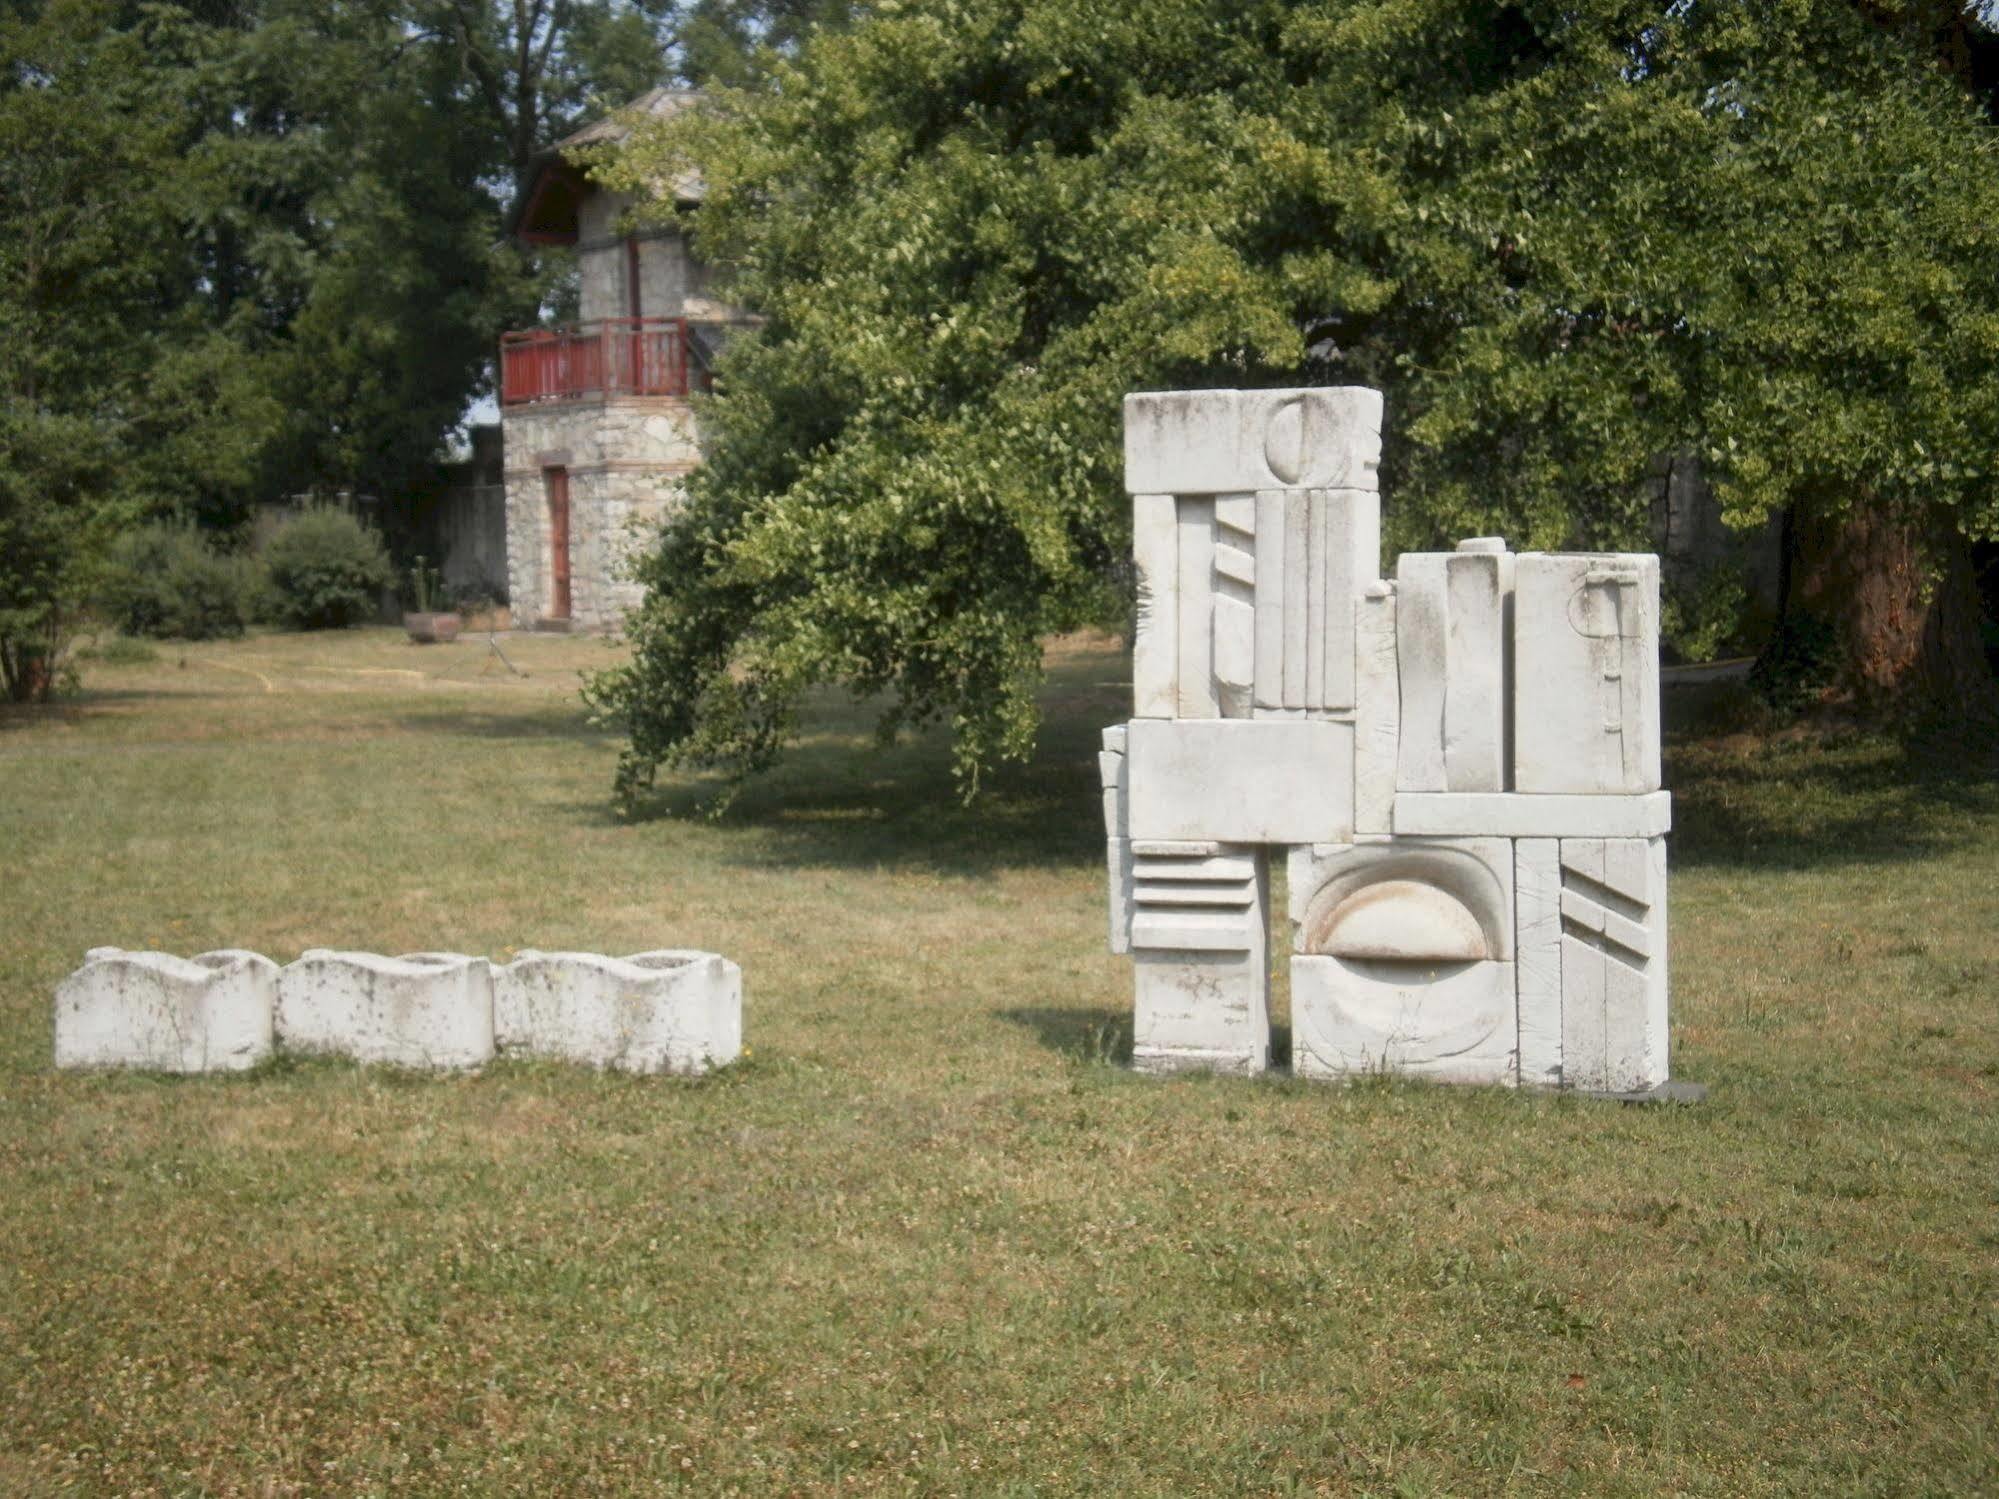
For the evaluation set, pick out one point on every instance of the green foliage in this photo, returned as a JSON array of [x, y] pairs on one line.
[[326, 569], [168, 581], [1701, 612], [1562, 239], [426, 587], [82, 308]]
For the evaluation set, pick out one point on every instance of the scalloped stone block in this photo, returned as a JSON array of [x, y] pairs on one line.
[[672, 1010], [419, 1010], [152, 1010]]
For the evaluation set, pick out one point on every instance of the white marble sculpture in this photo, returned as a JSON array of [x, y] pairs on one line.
[[1461, 765], [209, 1013], [666, 1011], [672, 1010]]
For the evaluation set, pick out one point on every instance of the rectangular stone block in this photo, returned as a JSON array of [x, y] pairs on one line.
[[1350, 532], [1230, 441], [1451, 612], [1196, 603], [1155, 648], [1242, 781], [1377, 710], [1586, 685], [1117, 857], [1537, 884], [1615, 1018], [1111, 766], [419, 1010], [1506, 814], [1297, 593], [1478, 588], [1195, 1013], [1450, 1023], [162, 1013], [673, 1010], [1422, 616], [1271, 533]]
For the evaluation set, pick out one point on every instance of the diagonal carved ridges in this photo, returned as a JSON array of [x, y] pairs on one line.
[[1604, 898], [1615, 865]]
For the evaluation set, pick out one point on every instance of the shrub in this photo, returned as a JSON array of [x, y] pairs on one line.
[[167, 581], [326, 570], [1703, 611]]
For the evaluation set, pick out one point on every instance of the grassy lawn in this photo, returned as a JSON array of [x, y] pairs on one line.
[[932, 1237]]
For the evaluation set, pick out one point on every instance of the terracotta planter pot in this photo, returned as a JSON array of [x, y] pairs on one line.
[[433, 628]]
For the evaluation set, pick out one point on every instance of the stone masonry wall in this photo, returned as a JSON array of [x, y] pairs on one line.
[[625, 460]]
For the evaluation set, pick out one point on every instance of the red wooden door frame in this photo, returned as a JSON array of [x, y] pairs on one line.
[[556, 482]]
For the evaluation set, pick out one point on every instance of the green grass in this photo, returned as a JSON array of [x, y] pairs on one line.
[[932, 1237]]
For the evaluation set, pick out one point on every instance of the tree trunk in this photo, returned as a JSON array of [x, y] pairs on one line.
[[1903, 607]]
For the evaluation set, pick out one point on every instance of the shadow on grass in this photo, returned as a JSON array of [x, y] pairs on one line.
[[77, 708], [1806, 802], [1103, 1039], [1082, 1035], [562, 719], [837, 799]]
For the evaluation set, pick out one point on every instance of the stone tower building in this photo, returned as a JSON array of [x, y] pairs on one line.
[[598, 430]]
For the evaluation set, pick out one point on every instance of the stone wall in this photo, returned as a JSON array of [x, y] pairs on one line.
[[668, 275], [625, 459]]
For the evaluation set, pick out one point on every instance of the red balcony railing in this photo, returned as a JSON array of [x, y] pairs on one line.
[[627, 356]]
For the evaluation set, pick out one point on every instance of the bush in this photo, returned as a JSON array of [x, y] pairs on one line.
[[1703, 611], [326, 570], [167, 581]]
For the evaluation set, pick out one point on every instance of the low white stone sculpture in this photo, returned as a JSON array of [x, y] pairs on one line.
[[673, 1010], [152, 1010], [1463, 764], [666, 1011], [419, 1010]]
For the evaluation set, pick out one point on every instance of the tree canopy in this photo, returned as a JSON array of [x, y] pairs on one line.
[[256, 247], [1562, 238]]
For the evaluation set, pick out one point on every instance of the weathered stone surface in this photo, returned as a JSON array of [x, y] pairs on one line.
[[1196, 605], [1422, 622], [1537, 886], [1478, 588], [1111, 765], [1452, 612], [1405, 959], [1614, 972], [1232, 441], [1377, 710], [1242, 781], [152, 1010], [1586, 694], [666, 1011], [1197, 901], [1450, 1022], [1515, 815], [1200, 946], [431, 1010], [1415, 890], [1155, 648]]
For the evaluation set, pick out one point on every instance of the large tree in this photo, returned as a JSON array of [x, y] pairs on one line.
[[1563, 238]]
